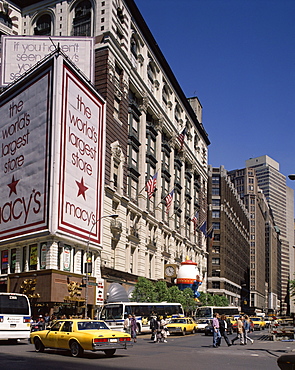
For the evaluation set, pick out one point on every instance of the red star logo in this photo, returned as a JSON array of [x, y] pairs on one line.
[[12, 185], [82, 188]]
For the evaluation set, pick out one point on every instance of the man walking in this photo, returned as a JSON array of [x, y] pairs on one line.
[[216, 331], [240, 331]]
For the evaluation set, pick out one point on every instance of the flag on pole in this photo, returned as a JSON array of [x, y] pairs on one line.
[[194, 219], [181, 138], [203, 228], [151, 185], [168, 200], [210, 235]]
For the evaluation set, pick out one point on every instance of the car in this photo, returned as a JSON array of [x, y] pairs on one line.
[[181, 325], [78, 335], [209, 329], [201, 324], [258, 322]]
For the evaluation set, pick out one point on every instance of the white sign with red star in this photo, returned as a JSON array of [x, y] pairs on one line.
[[82, 159], [24, 152]]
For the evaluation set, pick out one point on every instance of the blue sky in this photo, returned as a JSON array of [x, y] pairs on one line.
[[238, 57]]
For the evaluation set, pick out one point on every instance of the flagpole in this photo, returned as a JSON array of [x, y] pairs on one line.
[[169, 218], [147, 181]]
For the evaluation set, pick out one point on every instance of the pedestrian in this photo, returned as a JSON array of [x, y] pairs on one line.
[[223, 324], [41, 323], [153, 327], [159, 330], [216, 331], [133, 327], [164, 329], [127, 324], [240, 331], [247, 327]]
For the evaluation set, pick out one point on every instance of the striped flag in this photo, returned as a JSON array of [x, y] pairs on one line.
[[194, 219], [181, 138], [151, 185], [168, 200]]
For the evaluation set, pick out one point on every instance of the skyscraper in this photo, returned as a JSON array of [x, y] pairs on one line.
[[278, 195]]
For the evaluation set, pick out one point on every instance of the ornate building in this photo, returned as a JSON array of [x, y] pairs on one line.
[[146, 111]]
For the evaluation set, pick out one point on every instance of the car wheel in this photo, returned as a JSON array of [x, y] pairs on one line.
[[194, 331], [183, 332], [39, 347], [76, 349], [109, 352]]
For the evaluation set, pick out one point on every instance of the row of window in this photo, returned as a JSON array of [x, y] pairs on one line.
[[33, 257]]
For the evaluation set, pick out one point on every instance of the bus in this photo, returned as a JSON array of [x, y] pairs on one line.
[[114, 314], [15, 316], [209, 311]]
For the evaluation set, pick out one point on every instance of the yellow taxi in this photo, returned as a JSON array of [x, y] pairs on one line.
[[182, 325], [78, 335], [258, 322]]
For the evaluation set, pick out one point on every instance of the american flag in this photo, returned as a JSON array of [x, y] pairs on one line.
[[181, 138], [195, 220], [168, 200], [151, 185]]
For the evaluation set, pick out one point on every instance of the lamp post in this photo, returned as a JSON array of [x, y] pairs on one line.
[[87, 263]]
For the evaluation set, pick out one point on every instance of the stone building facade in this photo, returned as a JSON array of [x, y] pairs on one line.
[[146, 110]]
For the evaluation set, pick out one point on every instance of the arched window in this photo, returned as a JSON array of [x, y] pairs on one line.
[[82, 19], [43, 25]]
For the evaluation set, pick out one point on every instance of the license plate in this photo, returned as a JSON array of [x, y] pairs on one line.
[[113, 340], [13, 325]]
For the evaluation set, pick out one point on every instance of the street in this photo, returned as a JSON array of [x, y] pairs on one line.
[[191, 351]]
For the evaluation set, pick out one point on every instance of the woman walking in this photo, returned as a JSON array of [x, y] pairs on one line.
[[247, 327], [133, 327], [223, 329]]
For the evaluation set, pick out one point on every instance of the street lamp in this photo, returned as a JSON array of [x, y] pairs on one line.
[[87, 264]]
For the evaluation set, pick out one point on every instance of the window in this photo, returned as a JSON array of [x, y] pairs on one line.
[[216, 226], [43, 25], [216, 273], [215, 214], [215, 191], [215, 261], [12, 260], [216, 249], [4, 17], [216, 236], [4, 262], [33, 257], [215, 180], [215, 284], [215, 202], [82, 19]]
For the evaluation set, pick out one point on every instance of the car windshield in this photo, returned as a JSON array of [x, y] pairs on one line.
[[91, 325], [178, 321]]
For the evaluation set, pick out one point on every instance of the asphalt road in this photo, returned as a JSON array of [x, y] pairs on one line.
[[180, 352]]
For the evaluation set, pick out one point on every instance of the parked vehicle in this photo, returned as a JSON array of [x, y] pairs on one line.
[[78, 335]]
